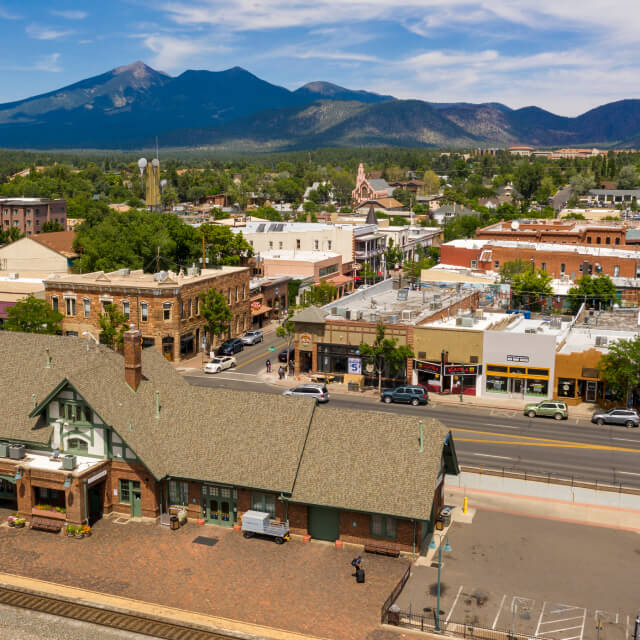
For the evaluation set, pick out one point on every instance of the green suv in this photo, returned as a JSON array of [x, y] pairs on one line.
[[547, 409]]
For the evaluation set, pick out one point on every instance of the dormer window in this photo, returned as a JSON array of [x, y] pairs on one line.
[[77, 444]]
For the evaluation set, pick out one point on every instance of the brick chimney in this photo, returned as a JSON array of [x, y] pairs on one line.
[[132, 358]]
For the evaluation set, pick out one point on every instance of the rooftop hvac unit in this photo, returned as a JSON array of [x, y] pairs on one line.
[[347, 314], [478, 314], [393, 319], [16, 451], [530, 331], [124, 272], [161, 276], [68, 462], [601, 341], [407, 314], [4, 449], [467, 322], [459, 321], [13, 276], [556, 323], [373, 317], [434, 305], [193, 271]]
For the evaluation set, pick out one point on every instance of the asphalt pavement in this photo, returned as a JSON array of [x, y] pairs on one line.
[[485, 437]]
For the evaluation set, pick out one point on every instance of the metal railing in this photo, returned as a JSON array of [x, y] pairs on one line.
[[394, 595]]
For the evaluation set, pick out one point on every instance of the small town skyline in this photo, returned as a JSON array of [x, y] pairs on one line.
[[518, 54]]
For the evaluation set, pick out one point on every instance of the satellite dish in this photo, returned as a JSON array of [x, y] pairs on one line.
[[515, 225]]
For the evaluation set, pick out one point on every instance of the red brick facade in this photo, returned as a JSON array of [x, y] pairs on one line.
[[29, 214]]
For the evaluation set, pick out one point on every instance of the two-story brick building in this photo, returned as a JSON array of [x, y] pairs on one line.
[[28, 215], [93, 431], [165, 306]]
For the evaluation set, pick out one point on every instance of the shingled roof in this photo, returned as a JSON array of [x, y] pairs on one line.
[[370, 461]]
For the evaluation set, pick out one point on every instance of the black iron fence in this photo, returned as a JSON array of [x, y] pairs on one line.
[[394, 595], [426, 622]]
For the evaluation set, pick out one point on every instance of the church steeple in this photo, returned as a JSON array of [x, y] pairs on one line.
[[371, 216]]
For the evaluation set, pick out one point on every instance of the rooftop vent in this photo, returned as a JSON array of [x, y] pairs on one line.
[[13, 276], [602, 341], [530, 331], [161, 276], [124, 272]]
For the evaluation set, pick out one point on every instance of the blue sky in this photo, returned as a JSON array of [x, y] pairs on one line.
[[561, 55]]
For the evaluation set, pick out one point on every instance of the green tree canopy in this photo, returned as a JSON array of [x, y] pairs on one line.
[[51, 226], [33, 315], [287, 331], [392, 255], [216, 312], [385, 355], [530, 287], [527, 178], [628, 178], [431, 183], [511, 268], [113, 324], [224, 247], [620, 367], [319, 295], [598, 292]]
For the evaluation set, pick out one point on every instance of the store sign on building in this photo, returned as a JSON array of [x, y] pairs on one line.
[[355, 366], [513, 358], [427, 366], [305, 339], [256, 304], [462, 369]]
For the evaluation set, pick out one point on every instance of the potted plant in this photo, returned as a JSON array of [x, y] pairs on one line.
[[12, 519], [19, 523], [71, 530], [78, 532], [86, 530]]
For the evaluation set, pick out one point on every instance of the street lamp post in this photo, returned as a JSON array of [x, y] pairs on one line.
[[447, 549]]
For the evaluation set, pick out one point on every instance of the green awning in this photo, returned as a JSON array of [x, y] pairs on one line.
[[8, 478]]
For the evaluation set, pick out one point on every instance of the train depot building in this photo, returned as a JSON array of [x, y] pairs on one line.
[[88, 431]]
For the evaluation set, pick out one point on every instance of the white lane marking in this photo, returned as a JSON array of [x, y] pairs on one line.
[[453, 606], [495, 622], [628, 473], [627, 629], [563, 620], [572, 638], [493, 424], [564, 629], [627, 440], [584, 620], [236, 380], [544, 604], [488, 455]]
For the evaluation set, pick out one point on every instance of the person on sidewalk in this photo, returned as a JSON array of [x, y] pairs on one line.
[[268, 363], [292, 367], [281, 372]]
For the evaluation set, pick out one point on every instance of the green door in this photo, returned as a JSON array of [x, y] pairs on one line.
[[219, 505], [136, 503], [324, 523]]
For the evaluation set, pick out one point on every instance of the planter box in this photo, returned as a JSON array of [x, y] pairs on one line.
[[45, 513]]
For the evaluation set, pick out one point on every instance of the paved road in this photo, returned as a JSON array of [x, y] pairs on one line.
[[493, 438]]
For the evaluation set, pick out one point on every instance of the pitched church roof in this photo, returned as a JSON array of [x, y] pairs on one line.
[[371, 216]]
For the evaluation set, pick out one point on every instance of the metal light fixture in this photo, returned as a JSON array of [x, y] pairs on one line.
[[447, 547], [432, 544], [68, 480]]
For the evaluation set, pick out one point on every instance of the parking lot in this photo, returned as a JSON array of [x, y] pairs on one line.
[[536, 578]]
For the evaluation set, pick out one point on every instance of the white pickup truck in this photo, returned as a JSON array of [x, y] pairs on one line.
[[259, 522]]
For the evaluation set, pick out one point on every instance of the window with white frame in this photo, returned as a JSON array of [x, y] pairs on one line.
[[144, 311], [126, 308], [54, 303], [70, 306], [86, 303]]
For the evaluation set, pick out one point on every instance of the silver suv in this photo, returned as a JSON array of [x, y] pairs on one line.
[[627, 417], [317, 391]]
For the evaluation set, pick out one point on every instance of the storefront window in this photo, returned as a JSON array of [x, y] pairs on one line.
[[537, 387], [497, 384], [566, 388]]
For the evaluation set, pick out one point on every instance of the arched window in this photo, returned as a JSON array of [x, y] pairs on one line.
[[77, 444]]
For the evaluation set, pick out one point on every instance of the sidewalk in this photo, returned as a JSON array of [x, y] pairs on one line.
[[583, 410]]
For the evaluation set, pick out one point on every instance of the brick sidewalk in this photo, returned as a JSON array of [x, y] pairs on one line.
[[307, 588]]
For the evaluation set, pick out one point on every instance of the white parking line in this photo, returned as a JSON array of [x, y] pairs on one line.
[[495, 622], [584, 619], [544, 604], [453, 606], [488, 455], [628, 473], [502, 426], [563, 620], [580, 626]]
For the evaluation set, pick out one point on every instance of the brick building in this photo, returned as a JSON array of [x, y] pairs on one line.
[[137, 439], [558, 260], [165, 306], [556, 232], [29, 214]]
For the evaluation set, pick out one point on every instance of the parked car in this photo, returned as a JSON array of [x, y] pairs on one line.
[[317, 391], [230, 347], [252, 337], [219, 363], [287, 354], [547, 409], [619, 415], [409, 394]]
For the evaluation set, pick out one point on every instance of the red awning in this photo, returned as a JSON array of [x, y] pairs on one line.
[[260, 310], [340, 279]]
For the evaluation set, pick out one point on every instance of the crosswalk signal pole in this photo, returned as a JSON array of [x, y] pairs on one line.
[[636, 634]]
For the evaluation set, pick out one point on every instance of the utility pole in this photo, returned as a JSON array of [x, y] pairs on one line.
[[203, 252]]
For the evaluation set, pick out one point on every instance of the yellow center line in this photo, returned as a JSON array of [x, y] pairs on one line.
[[261, 355], [553, 443]]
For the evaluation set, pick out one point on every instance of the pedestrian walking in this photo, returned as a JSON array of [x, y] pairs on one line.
[[281, 372], [292, 367], [268, 363]]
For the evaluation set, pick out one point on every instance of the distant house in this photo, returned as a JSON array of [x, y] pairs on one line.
[[449, 211], [43, 253], [384, 205]]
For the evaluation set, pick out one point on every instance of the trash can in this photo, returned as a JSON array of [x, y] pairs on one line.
[[445, 516], [174, 523], [393, 615], [353, 386]]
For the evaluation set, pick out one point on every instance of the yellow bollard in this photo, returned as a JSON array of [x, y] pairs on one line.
[[465, 505]]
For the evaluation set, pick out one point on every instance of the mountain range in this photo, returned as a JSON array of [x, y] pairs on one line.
[[127, 107]]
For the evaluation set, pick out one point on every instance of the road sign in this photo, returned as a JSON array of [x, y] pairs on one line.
[[272, 348]]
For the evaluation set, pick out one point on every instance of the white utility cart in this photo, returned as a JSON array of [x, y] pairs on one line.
[[259, 522]]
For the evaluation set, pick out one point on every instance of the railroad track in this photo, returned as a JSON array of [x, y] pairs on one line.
[[104, 617]]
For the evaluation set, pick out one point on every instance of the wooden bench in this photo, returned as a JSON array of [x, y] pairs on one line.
[[382, 549], [46, 524]]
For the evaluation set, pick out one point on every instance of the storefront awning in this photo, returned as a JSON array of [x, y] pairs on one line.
[[340, 279], [260, 310], [8, 478]]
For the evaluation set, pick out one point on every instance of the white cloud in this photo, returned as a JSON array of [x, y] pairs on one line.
[[172, 53], [69, 15], [5, 14], [48, 63], [39, 32]]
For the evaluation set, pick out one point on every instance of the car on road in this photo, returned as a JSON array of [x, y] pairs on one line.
[[619, 415], [287, 354], [219, 363], [547, 409], [229, 347], [317, 391], [252, 337], [408, 394]]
